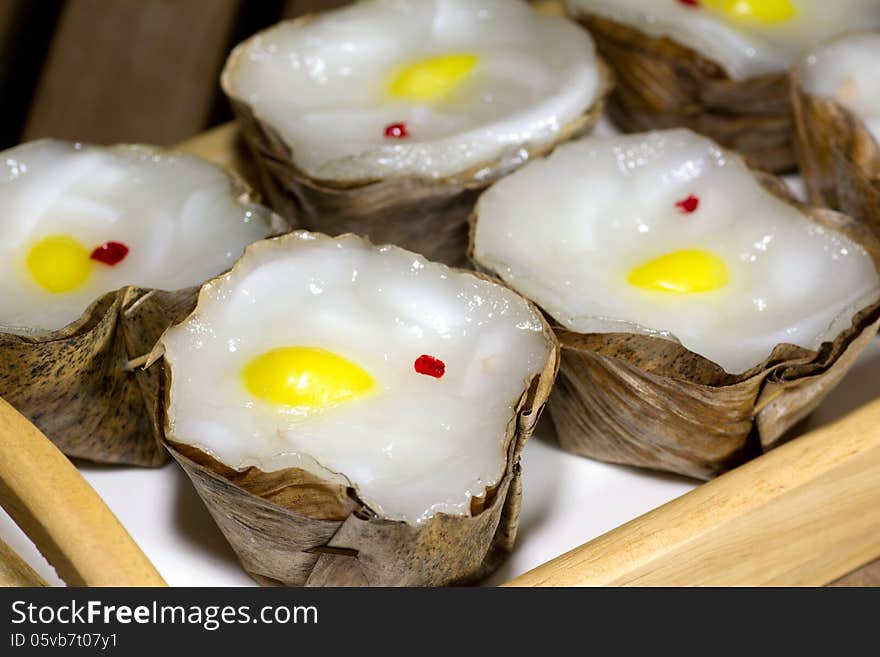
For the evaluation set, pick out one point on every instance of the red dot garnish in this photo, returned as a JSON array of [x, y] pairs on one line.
[[688, 205], [397, 131], [111, 253], [430, 366], [689, 3]]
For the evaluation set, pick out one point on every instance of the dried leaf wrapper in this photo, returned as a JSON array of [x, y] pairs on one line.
[[663, 84], [76, 384], [839, 157], [291, 528]]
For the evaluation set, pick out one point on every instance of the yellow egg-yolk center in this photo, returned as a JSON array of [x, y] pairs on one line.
[[307, 379], [59, 263], [433, 78], [765, 11], [683, 272]]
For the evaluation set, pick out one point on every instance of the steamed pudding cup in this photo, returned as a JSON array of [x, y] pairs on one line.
[[104, 248], [837, 116], [702, 312], [718, 67], [387, 119], [353, 415]]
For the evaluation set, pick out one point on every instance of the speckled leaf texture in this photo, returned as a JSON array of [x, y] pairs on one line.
[[839, 157], [77, 386], [662, 84]]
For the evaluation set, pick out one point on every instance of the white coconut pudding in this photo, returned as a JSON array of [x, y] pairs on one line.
[[426, 88], [366, 366], [80, 221], [667, 233], [846, 70], [747, 38]]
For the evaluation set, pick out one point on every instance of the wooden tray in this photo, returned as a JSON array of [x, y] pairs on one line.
[[806, 514]]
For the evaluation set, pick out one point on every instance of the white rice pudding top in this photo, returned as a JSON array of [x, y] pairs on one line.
[[848, 70], [178, 216], [747, 38], [667, 234], [457, 84], [367, 366]]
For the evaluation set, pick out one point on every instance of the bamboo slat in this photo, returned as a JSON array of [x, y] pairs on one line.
[[71, 526], [14, 571], [806, 514]]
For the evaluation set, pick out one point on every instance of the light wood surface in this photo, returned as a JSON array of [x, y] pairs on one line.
[[64, 517], [869, 576], [14, 571], [549, 7], [807, 513]]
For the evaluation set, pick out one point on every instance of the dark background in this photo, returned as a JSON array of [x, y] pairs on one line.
[[122, 70]]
